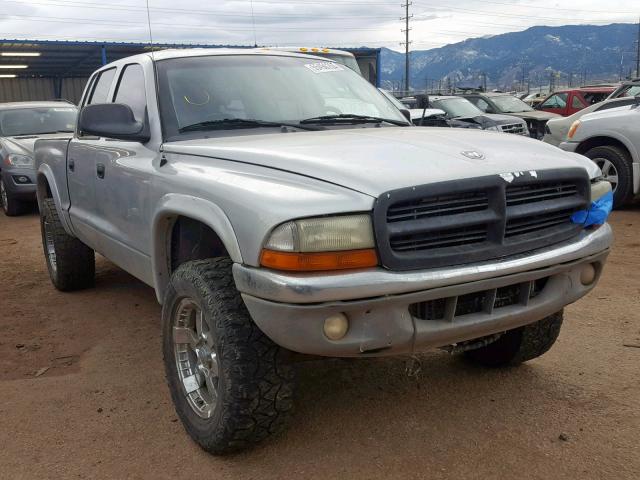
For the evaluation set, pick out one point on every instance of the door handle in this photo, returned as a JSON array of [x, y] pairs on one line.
[[72, 165], [100, 170]]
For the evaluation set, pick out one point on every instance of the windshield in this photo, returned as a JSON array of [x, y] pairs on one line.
[[629, 91], [37, 121], [457, 107], [346, 60], [396, 103], [510, 104], [260, 87]]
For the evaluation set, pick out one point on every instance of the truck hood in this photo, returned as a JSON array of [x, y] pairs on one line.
[[24, 144], [375, 160]]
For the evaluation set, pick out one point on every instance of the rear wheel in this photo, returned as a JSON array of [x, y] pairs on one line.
[[519, 345], [231, 385], [70, 262], [617, 169], [10, 205]]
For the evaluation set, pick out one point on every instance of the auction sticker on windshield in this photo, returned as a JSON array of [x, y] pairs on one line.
[[323, 67]]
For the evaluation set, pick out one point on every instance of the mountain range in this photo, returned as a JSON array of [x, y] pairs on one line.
[[571, 54]]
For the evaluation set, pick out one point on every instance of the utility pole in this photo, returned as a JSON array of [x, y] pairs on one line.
[[406, 42], [638, 52]]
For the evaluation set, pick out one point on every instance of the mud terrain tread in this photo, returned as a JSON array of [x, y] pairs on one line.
[[521, 344], [258, 397], [75, 260]]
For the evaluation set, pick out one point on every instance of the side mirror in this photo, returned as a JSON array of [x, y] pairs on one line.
[[112, 120], [406, 113]]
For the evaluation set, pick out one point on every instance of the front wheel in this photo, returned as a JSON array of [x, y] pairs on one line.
[[519, 345], [617, 169], [10, 206], [231, 385]]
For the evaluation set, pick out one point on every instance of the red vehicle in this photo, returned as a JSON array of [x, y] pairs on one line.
[[568, 102]]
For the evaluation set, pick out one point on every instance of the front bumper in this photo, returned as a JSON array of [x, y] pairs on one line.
[[291, 308], [17, 189], [569, 146]]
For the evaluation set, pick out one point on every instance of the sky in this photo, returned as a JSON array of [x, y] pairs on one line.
[[328, 23]]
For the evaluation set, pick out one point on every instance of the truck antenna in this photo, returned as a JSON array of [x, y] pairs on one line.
[[149, 24]]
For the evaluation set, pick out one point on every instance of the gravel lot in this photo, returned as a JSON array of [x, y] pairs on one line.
[[82, 392]]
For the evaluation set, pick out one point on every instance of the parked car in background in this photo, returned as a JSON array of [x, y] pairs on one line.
[[611, 138], [279, 204], [434, 117], [510, 105], [627, 89], [557, 129], [21, 124], [568, 102], [462, 110], [533, 99]]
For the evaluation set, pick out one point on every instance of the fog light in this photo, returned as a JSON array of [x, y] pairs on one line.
[[21, 179], [336, 326], [588, 274]]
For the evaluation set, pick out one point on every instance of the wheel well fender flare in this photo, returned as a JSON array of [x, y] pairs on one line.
[[170, 208], [47, 187], [609, 139]]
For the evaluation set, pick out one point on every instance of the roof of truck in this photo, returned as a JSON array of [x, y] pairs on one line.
[[52, 104], [209, 52]]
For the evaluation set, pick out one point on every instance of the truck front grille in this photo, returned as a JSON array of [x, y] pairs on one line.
[[485, 301], [517, 128], [478, 219]]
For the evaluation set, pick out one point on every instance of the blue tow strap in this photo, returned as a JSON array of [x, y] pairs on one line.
[[597, 213]]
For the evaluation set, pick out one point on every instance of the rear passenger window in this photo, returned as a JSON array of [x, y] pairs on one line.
[[131, 90], [102, 86], [576, 102]]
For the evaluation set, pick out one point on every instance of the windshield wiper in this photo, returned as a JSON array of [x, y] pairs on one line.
[[231, 123], [349, 117]]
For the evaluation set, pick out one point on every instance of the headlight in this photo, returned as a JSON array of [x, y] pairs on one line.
[[493, 128], [573, 129], [325, 243], [17, 160]]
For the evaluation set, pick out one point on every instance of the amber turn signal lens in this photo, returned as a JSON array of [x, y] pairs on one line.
[[317, 262]]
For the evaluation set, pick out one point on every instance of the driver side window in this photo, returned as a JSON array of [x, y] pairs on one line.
[[131, 90], [558, 100]]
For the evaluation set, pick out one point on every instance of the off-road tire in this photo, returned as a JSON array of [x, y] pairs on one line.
[[75, 264], [621, 161], [519, 345], [256, 378], [11, 207]]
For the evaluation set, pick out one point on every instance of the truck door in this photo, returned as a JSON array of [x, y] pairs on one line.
[[81, 167], [556, 103], [123, 173]]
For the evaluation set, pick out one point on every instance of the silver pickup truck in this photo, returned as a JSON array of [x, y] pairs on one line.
[[279, 203]]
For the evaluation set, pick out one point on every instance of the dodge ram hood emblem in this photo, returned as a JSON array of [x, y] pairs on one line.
[[473, 155]]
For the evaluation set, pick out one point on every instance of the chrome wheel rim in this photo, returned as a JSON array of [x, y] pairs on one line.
[[50, 245], [196, 358], [609, 171], [3, 195]]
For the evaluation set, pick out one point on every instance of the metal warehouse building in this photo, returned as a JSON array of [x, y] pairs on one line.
[[46, 70]]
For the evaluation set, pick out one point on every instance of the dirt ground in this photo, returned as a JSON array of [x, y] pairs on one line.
[[83, 395]]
